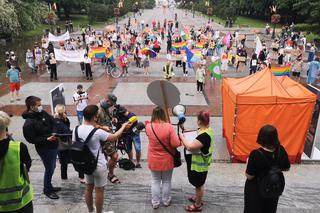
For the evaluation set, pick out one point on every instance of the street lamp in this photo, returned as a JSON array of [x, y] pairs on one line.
[[209, 10], [275, 19], [192, 8]]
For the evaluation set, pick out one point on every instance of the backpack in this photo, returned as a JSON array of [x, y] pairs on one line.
[[82, 158], [272, 184], [126, 164]]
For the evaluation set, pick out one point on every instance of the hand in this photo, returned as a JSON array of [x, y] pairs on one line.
[[127, 125], [52, 138]]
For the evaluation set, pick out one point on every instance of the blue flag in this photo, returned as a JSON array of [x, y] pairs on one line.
[[189, 55]]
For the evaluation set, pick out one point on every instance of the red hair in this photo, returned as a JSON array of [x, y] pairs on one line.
[[204, 118]]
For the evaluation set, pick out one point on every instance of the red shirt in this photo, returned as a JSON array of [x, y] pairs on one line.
[[124, 60]]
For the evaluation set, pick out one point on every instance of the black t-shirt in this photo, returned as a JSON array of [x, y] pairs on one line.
[[259, 165], [205, 139]]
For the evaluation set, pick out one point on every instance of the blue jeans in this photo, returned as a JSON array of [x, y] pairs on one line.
[[135, 139], [80, 116], [49, 161]]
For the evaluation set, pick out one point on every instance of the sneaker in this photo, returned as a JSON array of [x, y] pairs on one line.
[[166, 204], [155, 206], [82, 181], [138, 166]]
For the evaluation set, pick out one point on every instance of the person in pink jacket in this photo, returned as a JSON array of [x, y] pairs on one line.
[[160, 162]]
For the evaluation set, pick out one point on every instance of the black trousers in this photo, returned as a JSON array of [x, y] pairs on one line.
[[199, 86], [65, 159], [53, 72], [88, 71], [184, 64]]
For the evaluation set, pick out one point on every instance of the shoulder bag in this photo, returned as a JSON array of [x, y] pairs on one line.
[[176, 157]]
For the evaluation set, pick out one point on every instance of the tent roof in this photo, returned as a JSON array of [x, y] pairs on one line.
[[264, 88]]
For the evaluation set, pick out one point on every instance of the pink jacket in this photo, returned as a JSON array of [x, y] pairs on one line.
[[158, 158]]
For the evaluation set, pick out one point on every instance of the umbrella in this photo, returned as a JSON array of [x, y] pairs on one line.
[[150, 52]]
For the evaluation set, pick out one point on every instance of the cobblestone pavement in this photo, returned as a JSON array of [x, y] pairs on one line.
[[225, 183]]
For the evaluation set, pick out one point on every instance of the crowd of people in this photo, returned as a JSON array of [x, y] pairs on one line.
[[107, 127]]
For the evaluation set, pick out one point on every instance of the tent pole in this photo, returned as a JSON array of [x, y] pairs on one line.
[[234, 132]]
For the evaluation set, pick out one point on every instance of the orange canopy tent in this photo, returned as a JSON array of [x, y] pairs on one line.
[[259, 99]]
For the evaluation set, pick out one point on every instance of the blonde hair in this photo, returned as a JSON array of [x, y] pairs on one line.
[[4, 121], [59, 110]]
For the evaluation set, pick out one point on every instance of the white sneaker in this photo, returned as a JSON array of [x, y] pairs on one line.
[[155, 206], [109, 212]]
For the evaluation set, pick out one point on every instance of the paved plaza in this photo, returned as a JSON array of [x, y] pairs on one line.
[[225, 182]]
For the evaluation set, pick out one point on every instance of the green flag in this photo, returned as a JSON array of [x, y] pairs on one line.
[[215, 69]]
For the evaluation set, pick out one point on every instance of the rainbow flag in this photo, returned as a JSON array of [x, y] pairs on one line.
[[97, 52], [200, 45], [179, 45], [281, 70], [109, 56]]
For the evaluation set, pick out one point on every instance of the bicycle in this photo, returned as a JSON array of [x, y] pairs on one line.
[[112, 69]]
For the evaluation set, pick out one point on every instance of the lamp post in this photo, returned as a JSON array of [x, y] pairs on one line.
[[192, 9], [209, 10], [275, 19]]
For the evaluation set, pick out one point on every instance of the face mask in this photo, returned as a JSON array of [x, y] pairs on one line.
[[40, 108]]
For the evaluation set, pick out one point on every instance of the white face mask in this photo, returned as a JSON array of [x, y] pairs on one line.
[[40, 108]]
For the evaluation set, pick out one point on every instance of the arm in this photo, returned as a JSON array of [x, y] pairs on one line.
[[194, 146], [174, 139], [117, 134], [24, 156], [29, 134]]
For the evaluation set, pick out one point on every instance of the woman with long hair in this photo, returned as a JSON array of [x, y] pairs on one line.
[[160, 162]]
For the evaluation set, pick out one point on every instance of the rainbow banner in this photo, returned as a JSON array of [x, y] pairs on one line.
[[200, 45], [179, 45], [281, 70], [97, 52], [109, 56]]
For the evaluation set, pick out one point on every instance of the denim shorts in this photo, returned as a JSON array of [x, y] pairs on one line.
[[135, 139]]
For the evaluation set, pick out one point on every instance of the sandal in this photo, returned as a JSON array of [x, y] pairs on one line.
[[192, 199], [113, 179], [193, 208]]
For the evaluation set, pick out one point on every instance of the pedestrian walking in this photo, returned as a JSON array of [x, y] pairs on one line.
[[124, 63], [30, 60], [314, 71], [146, 64]]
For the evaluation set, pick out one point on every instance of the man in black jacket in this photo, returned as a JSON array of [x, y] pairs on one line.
[[38, 129]]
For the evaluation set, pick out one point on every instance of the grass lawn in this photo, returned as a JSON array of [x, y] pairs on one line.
[[77, 20]]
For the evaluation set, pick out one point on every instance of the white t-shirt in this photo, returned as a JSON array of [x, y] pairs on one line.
[[94, 144], [82, 103]]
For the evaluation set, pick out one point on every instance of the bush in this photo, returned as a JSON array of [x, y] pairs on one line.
[[307, 27], [99, 12]]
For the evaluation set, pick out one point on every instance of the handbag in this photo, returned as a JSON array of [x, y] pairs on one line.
[[176, 157]]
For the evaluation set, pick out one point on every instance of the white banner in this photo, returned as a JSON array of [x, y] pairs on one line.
[[63, 37], [258, 46], [69, 55]]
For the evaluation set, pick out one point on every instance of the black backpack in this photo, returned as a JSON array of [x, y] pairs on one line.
[[126, 164], [272, 184], [82, 158]]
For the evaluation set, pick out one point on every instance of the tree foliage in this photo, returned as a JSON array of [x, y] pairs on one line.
[[18, 15]]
